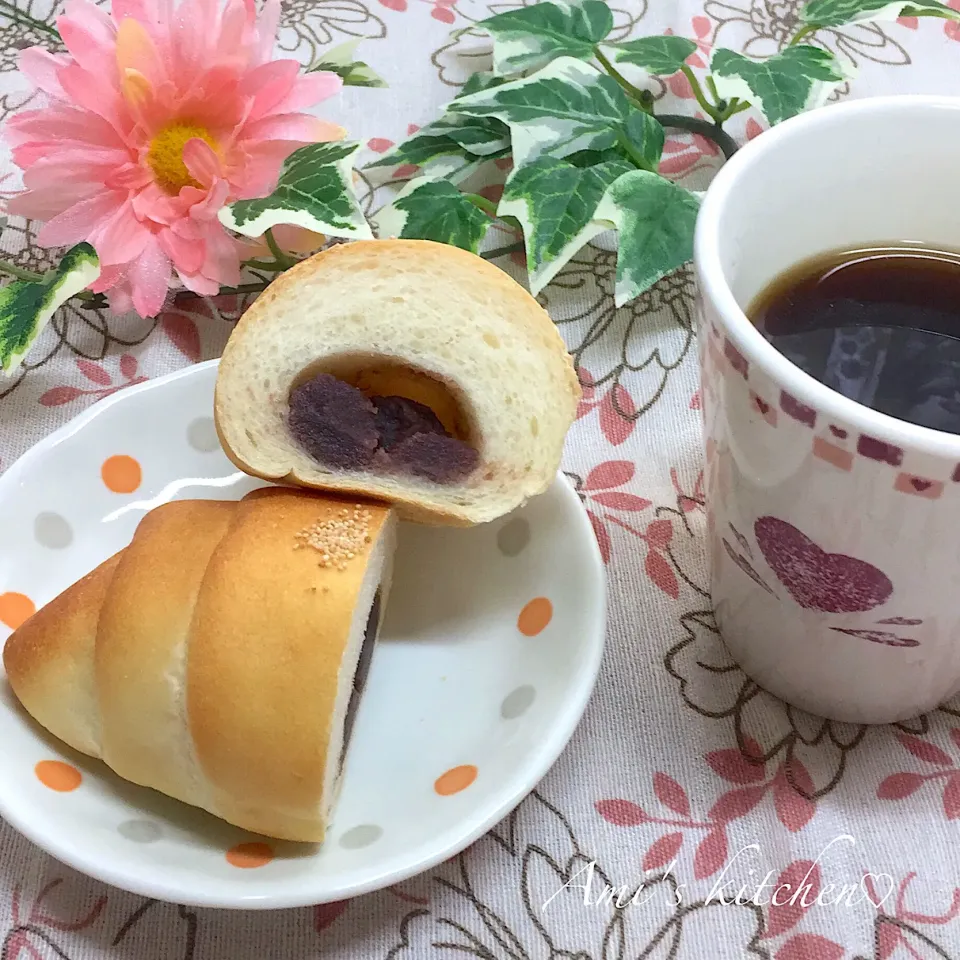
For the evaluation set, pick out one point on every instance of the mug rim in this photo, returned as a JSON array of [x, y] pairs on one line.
[[713, 285]]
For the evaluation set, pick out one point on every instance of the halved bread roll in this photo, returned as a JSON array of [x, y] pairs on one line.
[[219, 657], [405, 370]]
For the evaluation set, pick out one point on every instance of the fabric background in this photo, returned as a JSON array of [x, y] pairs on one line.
[[679, 756]]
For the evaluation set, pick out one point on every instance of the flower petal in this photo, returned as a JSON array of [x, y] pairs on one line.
[[198, 283], [207, 207], [90, 36], [121, 238], [135, 50], [145, 11], [75, 223], [223, 262], [42, 68], [269, 85], [149, 277], [297, 127], [201, 161], [62, 123], [187, 256], [267, 30], [96, 94], [48, 203], [309, 91]]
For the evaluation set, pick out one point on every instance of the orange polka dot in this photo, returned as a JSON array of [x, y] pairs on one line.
[[121, 474], [455, 780], [15, 608], [248, 856], [535, 616], [58, 775]]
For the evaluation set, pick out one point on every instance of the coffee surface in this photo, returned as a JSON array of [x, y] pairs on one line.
[[879, 325]]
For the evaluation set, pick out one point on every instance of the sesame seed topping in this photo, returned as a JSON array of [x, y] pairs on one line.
[[338, 539]]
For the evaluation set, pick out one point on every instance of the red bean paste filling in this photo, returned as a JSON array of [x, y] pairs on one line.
[[360, 677], [343, 429]]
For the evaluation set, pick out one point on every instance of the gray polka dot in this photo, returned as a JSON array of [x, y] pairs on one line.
[[517, 703], [202, 435], [140, 831], [361, 836], [513, 537], [52, 530]]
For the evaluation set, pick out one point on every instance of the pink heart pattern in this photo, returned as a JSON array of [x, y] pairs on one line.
[[817, 580]]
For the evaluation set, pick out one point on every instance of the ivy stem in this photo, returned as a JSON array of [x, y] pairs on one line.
[[502, 251], [803, 33], [226, 291], [635, 92], [18, 16], [14, 271], [270, 265], [482, 203], [282, 259], [708, 108], [712, 131]]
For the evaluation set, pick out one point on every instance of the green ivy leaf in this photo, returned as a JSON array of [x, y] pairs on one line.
[[566, 107], [479, 136], [646, 138], [26, 306], [782, 86], [555, 203], [339, 60], [433, 210], [655, 219], [449, 148], [315, 191], [837, 13], [660, 56], [476, 82], [530, 37]]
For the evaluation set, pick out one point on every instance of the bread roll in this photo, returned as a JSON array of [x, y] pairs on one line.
[[218, 658], [308, 386]]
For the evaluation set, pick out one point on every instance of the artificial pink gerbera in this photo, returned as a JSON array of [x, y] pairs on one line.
[[159, 116]]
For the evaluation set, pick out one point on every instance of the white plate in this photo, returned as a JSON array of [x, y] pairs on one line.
[[455, 684]]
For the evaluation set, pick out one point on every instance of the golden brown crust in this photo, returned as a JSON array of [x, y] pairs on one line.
[[432, 258], [142, 634], [254, 681], [49, 661], [267, 625]]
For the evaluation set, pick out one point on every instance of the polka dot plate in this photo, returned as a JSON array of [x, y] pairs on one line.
[[489, 653]]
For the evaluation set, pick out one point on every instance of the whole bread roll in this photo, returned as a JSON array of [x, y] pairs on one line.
[[220, 656], [474, 381]]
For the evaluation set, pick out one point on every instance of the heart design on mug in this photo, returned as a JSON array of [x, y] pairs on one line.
[[817, 580]]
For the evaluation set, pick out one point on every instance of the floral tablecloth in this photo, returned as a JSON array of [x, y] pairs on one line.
[[758, 830]]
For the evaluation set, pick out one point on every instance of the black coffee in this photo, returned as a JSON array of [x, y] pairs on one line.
[[879, 325]]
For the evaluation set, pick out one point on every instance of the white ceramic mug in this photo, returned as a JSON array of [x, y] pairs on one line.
[[834, 529]]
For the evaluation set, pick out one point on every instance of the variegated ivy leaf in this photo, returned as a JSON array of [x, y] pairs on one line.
[[798, 79], [479, 136], [555, 203], [660, 56], [450, 147], [315, 191], [654, 218], [433, 210], [339, 60], [836, 13], [645, 137], [480, 81], [566, 107], [26, 306], [530, 37]]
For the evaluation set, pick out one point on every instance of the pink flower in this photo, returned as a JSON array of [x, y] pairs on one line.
[[157, 117]]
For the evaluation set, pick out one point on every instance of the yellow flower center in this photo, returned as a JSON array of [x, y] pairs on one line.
[[165, 155]]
